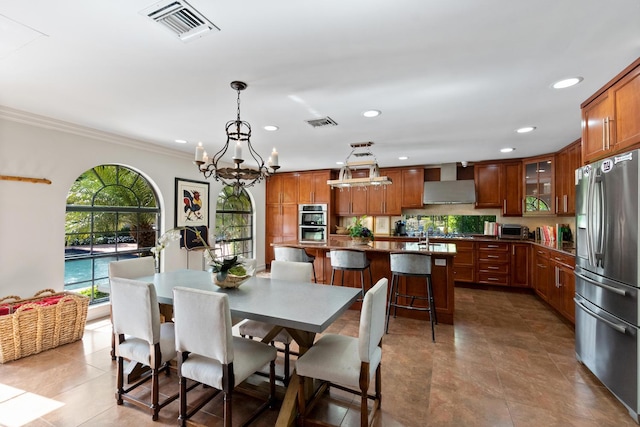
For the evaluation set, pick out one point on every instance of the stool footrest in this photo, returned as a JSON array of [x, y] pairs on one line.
[[409, 307]]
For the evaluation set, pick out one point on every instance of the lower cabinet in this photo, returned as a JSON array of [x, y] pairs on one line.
[[553, 279], [493, 263], [520, 265]]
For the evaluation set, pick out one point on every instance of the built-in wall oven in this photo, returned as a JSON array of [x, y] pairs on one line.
[[312, 223]]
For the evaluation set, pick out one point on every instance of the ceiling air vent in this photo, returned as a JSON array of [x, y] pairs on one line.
[[325, 121], [180, 18]]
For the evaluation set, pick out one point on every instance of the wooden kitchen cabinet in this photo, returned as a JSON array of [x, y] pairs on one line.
[[520, 265], [353, 200], [281, 226], [498, 185], [562, 291], [282, 188], [540, 274], [493, 263], [464, 263], [487, 178], [567, 161], [412, 187], [386, 199], [539, 186], [611, 118], [313, 188]]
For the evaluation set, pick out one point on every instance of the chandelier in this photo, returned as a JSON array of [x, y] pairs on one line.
[[345, 179], [237, 176]]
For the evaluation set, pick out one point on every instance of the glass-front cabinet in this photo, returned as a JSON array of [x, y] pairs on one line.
[[538, 186]]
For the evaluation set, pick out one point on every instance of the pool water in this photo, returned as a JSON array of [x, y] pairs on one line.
[[77, 272]]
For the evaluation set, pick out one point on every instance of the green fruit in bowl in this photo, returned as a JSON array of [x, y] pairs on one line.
[[238, 270]]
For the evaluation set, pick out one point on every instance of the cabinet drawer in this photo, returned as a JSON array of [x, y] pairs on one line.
[[493, 278], [567, 260], [493, 267], [541, 253], [493, 256], [493, 246]]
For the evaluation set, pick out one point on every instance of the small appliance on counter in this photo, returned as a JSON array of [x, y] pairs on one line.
[[400, 228], [513, 231]]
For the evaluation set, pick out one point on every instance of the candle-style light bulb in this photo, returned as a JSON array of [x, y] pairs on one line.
[[238, 151], [274, 157], [199, 152]]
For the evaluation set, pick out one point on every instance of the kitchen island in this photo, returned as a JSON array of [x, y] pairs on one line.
[[378, 253]]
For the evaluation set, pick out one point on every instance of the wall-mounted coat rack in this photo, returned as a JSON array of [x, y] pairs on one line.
[[24, 179]]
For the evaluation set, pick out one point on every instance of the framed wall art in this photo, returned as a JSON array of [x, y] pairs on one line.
[[192, 203]]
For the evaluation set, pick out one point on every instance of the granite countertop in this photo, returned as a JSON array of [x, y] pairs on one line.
[[378, 246]]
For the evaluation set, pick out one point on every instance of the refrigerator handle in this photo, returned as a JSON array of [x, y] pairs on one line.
[[598, 251], [620, 328], [589, 227], [621, 292]]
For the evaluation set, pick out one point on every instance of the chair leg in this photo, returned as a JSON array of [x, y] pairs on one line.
[[333, 272], [120, 381], [364, 291], [182, 418], [155, 394], [386, 329], [364, 389], [286, 364], [432, 300], [272, 383], [313, 265], [301, 400], [395, 297], [432, 309]]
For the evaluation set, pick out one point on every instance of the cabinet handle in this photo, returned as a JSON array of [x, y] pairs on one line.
[[504, 207], [493, 278], [493, 246], [557, 205], [493, 256], [604, 134], [491, 267], [608, 121], [566, 203]]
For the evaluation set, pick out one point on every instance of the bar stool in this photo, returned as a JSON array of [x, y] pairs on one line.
[[411, 265], [293, 254], [350, 260]]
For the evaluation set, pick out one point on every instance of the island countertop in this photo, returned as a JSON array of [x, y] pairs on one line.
[[442, 249]]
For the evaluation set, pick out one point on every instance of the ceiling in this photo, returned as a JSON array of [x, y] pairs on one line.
[[453, 79]]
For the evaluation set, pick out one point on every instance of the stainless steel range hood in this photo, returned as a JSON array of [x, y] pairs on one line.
[[448, 190]]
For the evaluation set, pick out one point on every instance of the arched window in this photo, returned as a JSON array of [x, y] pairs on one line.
[[112, 214], [234, 223]]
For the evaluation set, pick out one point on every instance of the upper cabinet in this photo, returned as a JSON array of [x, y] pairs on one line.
[[352, 201], [386, 199], [539, 186], [282, 188], [611, 118], [567, 161], [498, 186], [412, 187], [313, 188]]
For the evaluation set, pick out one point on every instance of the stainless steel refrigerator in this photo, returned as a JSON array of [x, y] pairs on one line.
[[607, 273]]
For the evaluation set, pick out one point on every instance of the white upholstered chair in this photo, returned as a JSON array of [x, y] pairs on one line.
[[209, 354], [280, 270], [350, 363], [294, 254], [130, 269], [140, 337]]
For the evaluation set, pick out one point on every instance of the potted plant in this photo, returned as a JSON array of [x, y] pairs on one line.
[[359, 232]]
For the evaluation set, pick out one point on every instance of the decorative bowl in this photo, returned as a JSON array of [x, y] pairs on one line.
[[360, 240], [341, 230], [231, 281]]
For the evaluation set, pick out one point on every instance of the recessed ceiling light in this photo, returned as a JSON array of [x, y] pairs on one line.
[[371, 113], [339, 163], [567, 83], [403, 158], [181, 141], [271, 128], [507, 150], [526, 129]]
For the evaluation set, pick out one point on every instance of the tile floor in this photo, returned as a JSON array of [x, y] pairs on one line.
[[508, 361]]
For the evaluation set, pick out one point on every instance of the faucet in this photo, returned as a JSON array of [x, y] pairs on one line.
[[422, 236]]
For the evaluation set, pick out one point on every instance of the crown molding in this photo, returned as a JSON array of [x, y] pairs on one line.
[[62, 126]]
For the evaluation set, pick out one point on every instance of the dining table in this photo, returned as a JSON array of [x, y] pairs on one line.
[[301, 308]]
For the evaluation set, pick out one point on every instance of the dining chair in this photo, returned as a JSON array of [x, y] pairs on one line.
[[280, 270], [294, 254], [130, 269], [349, 363], [209, 354], [141, 338]]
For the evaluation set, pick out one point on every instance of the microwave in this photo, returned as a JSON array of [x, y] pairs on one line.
[[312, 234], [514, 231], [313, 214]]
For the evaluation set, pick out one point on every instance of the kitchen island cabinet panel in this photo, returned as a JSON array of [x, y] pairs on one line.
[[378, 253]]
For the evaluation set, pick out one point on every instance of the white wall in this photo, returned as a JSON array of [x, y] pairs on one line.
[[32, 216]]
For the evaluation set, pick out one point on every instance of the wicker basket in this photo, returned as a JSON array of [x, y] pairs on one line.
[[46, 321]]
